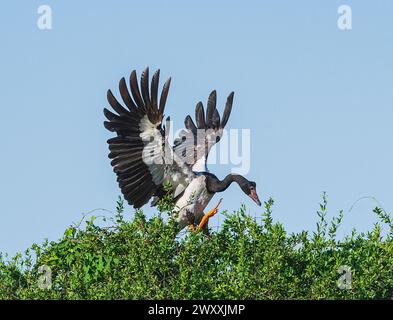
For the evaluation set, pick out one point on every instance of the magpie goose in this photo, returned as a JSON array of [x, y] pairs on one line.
[[144, 161]]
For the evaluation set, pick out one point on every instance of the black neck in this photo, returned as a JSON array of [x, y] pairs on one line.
[[216, 185]]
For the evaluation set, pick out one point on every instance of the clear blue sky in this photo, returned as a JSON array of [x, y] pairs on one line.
[[318, 102]]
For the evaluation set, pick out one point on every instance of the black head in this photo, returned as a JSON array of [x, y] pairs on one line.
[[250, 189]]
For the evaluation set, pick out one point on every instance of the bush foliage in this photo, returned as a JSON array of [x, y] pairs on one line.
[[245, 258]]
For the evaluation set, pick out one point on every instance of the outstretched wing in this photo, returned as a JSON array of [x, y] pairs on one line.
[[138, 150], [194, 143]]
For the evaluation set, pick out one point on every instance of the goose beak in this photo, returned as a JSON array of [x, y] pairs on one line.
[[253, 195]]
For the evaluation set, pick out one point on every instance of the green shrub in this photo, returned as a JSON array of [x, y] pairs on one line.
[[246, 258]]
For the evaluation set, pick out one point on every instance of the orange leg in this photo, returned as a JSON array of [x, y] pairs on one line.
[[208, 215]]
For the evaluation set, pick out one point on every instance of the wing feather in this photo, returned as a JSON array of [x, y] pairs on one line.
[[200, 116], [164, 95], [135, 90], [227, 110], [211, 107], [140, 136], [125, 95], [145, 92], [195, 142], [154, 93]]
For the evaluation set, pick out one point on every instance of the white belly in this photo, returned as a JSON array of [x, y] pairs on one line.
[[194, 200]]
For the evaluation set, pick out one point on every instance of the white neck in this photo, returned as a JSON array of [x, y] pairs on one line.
[[200, 165]]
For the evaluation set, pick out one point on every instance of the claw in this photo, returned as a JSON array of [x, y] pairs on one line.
[[191, 221]]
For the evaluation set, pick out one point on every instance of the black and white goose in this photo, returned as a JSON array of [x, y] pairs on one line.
[[144, 162]]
